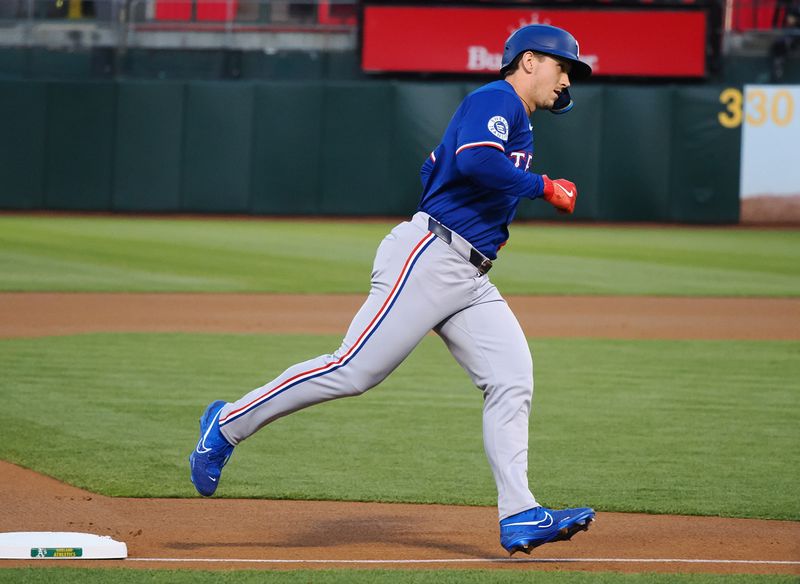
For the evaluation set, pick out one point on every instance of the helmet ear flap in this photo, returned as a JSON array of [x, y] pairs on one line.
[[563, 104]]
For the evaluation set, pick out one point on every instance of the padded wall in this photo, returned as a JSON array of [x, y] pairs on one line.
[[79, 145], [23, 108], [346, 148], [148, 150]]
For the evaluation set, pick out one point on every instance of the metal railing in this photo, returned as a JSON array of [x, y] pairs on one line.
[[313, 14], [176, 23], [308, 12]]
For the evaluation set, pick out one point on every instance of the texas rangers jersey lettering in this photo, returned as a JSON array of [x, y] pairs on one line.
[[473, 181]]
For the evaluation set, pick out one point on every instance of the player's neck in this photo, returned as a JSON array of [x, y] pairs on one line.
[[514, 82]]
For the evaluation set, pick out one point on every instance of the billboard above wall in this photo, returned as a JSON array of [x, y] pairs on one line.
[[615, 42]]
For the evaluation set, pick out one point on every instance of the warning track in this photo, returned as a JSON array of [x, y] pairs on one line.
[[613, 317]]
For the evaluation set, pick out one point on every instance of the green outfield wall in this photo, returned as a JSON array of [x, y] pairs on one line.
[[346, 147]]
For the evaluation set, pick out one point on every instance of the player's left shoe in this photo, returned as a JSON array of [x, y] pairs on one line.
[[211, 453], [534, 527]]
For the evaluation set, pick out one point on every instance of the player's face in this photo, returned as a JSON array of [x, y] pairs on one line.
[[550, 77]]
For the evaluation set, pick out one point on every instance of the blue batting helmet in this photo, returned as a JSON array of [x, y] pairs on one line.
[[549, 40]]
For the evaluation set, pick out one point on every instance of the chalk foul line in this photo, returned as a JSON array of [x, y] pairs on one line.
[[478, 560]]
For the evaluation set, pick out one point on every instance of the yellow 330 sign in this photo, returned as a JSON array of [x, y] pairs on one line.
[[762, 107]]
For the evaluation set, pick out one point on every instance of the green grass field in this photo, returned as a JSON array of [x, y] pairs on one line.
[[122, 576], [697, 427], [134, 254]]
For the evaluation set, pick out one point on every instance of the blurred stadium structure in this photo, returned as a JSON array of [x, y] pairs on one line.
[[742, 25], [37, 37]]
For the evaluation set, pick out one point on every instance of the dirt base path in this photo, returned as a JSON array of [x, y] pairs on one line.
[[636, 317], [313, 534], [174, 533]]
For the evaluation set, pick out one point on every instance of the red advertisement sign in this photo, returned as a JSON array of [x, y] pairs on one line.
[[668, 43]]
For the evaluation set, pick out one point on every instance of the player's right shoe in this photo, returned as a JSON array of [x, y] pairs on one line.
[[534, 527], [211, 453]]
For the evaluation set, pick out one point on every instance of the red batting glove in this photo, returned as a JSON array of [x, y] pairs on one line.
[[560, 193]]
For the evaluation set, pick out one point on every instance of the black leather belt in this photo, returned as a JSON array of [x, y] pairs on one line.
[[476, 258]]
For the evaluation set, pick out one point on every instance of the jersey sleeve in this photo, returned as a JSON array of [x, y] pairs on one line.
[[492, 170], [483, 133], [485, 122]]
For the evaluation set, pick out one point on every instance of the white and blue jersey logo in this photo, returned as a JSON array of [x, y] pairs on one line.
[[499, 127]]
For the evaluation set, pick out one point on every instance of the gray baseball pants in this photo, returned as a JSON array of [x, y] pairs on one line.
[[419, 283]]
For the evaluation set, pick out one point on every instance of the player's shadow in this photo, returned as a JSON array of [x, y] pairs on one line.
[[376, 530]]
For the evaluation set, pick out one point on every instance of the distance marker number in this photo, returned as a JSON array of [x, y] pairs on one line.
[[761, 107]]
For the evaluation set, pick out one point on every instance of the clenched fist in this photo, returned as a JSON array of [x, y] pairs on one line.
[[560, 193]]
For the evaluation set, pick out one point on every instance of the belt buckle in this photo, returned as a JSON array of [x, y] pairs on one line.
[[480, 261]]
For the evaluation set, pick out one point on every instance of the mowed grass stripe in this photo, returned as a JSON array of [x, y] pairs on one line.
[[695, 427], [228, 255]]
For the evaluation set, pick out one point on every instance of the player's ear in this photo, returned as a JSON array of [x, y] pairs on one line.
[[528, 61]]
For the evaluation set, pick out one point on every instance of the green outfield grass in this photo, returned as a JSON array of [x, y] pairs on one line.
[[134, 254], [696, 427], [125, 576]]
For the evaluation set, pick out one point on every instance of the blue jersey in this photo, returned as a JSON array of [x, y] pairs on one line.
[[473, 181]]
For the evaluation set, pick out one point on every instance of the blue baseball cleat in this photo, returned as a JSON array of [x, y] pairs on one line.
[[211, 453], [534, 527]]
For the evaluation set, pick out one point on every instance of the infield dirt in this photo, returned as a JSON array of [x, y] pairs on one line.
[[310, 530], [613, 317], [318, 530]]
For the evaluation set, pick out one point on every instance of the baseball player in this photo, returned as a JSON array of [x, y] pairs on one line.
[[430, 273]]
